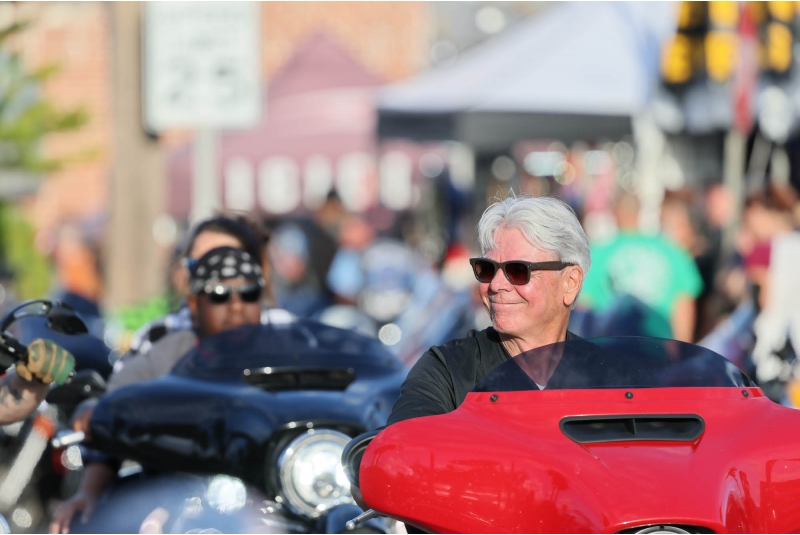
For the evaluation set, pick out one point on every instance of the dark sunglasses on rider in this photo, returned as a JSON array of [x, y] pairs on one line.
[[518, 272], [219, 294]]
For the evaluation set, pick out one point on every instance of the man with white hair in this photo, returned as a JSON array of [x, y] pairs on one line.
[[535, 256]]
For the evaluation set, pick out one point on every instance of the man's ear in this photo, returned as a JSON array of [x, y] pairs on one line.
[[191, 301], [572, 281]]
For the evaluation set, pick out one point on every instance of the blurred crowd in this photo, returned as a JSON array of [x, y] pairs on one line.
[[716, 273]]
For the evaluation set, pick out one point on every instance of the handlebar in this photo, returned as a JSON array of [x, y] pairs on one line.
[[67, 438], [61, 317]]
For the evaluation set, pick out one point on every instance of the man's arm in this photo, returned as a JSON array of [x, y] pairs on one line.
[[683, 318], [427, 391], [18, 397]]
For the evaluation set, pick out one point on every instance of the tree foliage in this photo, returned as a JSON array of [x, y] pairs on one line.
[[25, 116]]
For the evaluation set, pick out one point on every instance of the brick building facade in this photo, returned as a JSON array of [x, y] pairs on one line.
[[391, 39]]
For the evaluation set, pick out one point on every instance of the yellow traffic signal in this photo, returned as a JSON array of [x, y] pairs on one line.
[[779, 47], [721, 48], [676, 60], [759, 12], [691, 15], [782, 11], [723, 14]]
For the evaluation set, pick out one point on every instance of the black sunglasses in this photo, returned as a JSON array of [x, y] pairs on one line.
[[517, 272], [219, 294]]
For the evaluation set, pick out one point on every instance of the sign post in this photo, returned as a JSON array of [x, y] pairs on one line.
[[201, 71]]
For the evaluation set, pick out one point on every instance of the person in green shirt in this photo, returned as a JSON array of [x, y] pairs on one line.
[[649, 268]]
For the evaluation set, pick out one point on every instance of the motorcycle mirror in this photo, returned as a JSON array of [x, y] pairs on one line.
[[62, 318], [84, 384]]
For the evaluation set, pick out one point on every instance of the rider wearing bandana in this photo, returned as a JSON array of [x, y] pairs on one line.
[[226, 285]]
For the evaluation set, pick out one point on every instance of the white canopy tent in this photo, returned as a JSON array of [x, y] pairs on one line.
[[580, 70]]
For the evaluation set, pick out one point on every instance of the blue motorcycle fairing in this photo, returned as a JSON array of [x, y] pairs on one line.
[[205, 416]]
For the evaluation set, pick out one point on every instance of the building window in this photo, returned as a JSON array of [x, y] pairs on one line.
[[396, 170], [279, 185], [240, 185], [317, 180], [355, 181]]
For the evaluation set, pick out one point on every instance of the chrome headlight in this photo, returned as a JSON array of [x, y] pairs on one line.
[[311, 472]]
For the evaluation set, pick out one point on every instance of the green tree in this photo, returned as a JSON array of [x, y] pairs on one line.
[[26, 118]]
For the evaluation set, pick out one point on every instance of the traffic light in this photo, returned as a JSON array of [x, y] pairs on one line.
[[676, 61], [706, 44], [721, 48], [778, 42]]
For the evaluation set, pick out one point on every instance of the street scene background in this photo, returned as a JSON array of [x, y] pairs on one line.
[[370, 137]]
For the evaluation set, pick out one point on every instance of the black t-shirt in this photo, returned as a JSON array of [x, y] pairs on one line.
[[444, 375]]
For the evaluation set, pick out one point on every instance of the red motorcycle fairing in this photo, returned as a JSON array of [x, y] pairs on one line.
[[500, 463]]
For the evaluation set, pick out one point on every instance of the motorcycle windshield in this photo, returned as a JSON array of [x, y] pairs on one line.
[[614, 362], [301, 344]]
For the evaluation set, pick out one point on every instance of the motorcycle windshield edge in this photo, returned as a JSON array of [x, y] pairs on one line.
[[614, 362]]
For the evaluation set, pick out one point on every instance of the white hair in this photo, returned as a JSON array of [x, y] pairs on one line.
[[546, 222]]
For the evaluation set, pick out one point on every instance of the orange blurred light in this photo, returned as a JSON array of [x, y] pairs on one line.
[[691, 14], [779, 47], [676, 60], [782, 11], [723, 14], [721, 48]]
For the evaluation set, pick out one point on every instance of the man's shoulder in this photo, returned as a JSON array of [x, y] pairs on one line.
[[473, 339], [174, 340], [573, 336], [476, 346]]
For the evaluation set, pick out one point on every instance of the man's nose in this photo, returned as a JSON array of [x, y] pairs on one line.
[[499, 281], [235, 302]]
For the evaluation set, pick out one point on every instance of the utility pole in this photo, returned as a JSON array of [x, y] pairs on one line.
[[135, 264]]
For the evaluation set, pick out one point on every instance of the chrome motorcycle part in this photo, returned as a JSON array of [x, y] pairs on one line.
[[311, 473], [4, 527], [226, 494], [25, 463], [71, 458], [66, 438], [662, 530], [360, 519]]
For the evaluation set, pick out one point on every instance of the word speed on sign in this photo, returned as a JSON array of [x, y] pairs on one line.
[[201, 65]]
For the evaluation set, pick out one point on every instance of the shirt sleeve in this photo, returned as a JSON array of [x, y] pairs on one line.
[[689, 280], [427, 391], [133, 369]]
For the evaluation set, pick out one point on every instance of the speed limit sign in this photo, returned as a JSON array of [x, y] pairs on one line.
[[201, 65]]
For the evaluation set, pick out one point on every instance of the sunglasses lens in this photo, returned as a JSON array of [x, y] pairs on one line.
[[484, 271], [250, 294], [219, 295], [517, 273]]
